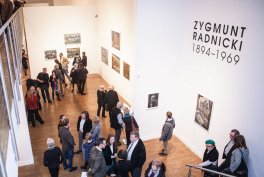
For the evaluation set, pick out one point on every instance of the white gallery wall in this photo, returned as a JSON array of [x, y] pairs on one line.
[[169, 63], [118, 16], [45, 28]]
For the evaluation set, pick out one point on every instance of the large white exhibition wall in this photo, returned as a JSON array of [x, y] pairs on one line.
[[178, 57], [117, 16], [45, 28]]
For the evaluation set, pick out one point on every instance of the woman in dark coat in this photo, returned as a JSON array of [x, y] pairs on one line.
[[84, 125], [210, 158], [110, 154]]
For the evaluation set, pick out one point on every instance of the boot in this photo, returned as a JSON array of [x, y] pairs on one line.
[[58, 97]]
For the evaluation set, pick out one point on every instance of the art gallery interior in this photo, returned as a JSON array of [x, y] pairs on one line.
[[179, 49]]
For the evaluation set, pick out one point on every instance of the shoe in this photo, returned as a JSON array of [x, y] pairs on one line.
[[59, 99], [163, 154], [42, 122], [73, 169], [45, 101], [65, 168], [50, 101], [83, 93], [78, 152], [119, 144]]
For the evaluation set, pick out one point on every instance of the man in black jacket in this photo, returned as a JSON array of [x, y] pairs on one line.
[[229, 148], [82, 78], [111, 99], [84, 59], [136, 154], [43, 78], [53, 157]]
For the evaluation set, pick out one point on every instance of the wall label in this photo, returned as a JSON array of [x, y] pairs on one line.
[[220, 36]]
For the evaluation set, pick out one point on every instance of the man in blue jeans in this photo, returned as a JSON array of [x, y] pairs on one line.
[[67, 145]]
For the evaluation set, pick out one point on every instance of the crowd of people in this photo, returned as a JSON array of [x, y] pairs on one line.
[[235, 156], [102, 156]]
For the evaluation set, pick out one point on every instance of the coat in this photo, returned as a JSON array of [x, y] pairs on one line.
[[97, 163], [86, 127], [138, 156], [167, 130]]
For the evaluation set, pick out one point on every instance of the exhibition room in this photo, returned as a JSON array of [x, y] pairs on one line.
[[198, 63]]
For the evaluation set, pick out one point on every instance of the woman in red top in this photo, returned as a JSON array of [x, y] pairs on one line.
[[32, 106]]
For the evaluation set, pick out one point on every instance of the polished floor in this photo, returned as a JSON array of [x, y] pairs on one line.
[[72, 105]]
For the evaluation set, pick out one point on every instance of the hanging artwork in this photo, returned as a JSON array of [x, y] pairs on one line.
[[73, 38], [50, 54], [126, 70], [104, 55], [153, 100], [116, 63], [72, 52], [116, 40], [203, 111]]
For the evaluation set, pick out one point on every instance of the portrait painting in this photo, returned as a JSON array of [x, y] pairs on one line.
[[153, 100], [73, 38], [116, 63], [203, 111], [116, 40], [126, 70], [72, 52], [50, 54], [104, 55]]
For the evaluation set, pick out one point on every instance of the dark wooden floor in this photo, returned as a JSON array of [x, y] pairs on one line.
[[72, 105]]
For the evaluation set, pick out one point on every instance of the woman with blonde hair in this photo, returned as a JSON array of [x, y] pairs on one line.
[[96, 129], [86, 148]]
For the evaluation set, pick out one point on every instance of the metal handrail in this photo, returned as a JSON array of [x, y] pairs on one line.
[[205, 169]]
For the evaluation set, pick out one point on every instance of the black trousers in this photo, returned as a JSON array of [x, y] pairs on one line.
[[54, 172], [81, 86], [34, 114], [99, 110], [45, 92]]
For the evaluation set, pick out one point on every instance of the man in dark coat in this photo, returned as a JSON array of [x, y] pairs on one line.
[[84, 59], [53, 157], [67, 145], [111, 99], [136, 154], [43, 79], [82, 78]]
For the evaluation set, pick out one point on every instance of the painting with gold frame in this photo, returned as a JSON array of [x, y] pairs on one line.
[[116, 63], [116, 40], [126, 70]]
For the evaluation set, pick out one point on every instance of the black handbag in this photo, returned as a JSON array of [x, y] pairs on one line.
[[242, 169]]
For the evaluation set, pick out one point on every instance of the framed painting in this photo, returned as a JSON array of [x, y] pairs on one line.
[[153, 100], [73, 38], [116, 63], [104, 55], [50, 54], [72, 52], [126, 70], [203, 111], [116, 40]]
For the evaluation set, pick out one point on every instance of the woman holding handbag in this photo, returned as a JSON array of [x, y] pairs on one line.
[[239, 158]]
